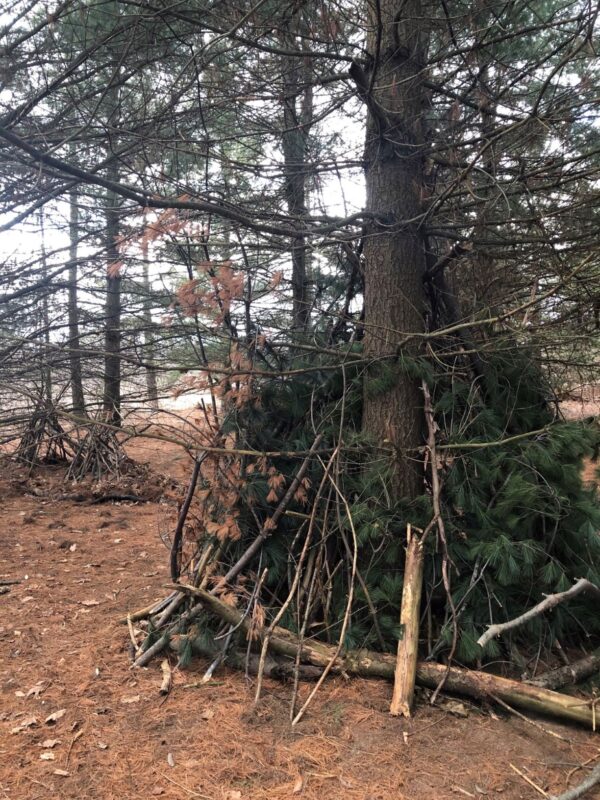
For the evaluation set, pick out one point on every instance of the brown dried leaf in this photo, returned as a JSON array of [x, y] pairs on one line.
[[48, 744], [28, 722], [55, 716], [135, 698]]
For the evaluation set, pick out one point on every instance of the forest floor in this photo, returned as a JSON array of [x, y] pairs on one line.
[[77, 722]]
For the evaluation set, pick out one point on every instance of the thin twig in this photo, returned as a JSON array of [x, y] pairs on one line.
[[529, 781]]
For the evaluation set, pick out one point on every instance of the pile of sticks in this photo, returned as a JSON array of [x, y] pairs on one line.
[[98, 455], [44, 440]]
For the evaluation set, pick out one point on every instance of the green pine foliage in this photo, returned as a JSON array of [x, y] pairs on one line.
[[519, 521]]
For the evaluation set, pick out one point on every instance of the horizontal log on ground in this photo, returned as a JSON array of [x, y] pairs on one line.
[[369, 664], [571, 673], [276, 667]]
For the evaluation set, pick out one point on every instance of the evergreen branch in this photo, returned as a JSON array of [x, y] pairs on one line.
[[496, 443]]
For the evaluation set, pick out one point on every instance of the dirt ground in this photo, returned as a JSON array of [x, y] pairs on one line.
[[77, 722]]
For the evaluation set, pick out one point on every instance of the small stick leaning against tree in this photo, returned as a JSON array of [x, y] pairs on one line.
[[550, 601]]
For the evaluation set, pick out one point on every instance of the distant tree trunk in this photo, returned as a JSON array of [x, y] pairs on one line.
[[395, 255], [46, 369], [148, 335], [112, 341], [73, 311], [297, 119]]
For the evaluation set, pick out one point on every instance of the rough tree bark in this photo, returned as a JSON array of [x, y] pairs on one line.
[[73, 310], [297, 119], [149, 347], [394, 250], [112, 339]]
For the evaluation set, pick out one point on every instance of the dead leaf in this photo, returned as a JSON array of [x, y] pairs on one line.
[[49, 743], [298, 785], [233, 794], [20, 694], [36, 690], [28, 722], [134, 698], [455, 707], [55, 716], [102, 745], [90, 603], [47, 756], [208, 713], [157, 791]]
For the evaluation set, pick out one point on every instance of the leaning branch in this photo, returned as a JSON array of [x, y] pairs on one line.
[[552, 600]]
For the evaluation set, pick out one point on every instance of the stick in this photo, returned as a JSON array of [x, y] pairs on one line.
[[136, 648], [159, 645], [167, 679], [529, 781], [367, 663], [581, 789], [527, 720], [153, 608], [178, 535], [408, 644], [582, 585]]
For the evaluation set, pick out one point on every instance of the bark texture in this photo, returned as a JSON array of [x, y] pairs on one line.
[[408, 644], [74, 341], [394, 249], [297, 118], [112, 346]]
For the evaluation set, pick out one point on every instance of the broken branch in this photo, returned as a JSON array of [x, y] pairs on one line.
[[551, 600]]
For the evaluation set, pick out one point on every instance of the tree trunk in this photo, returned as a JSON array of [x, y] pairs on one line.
[[73, 311], [112, 346], [148, 334], [394, 249], [46, 369], [297, 119]]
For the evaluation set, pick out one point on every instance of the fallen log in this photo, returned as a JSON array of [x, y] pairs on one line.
[[369, 664], [570, 673], [277, 667]]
